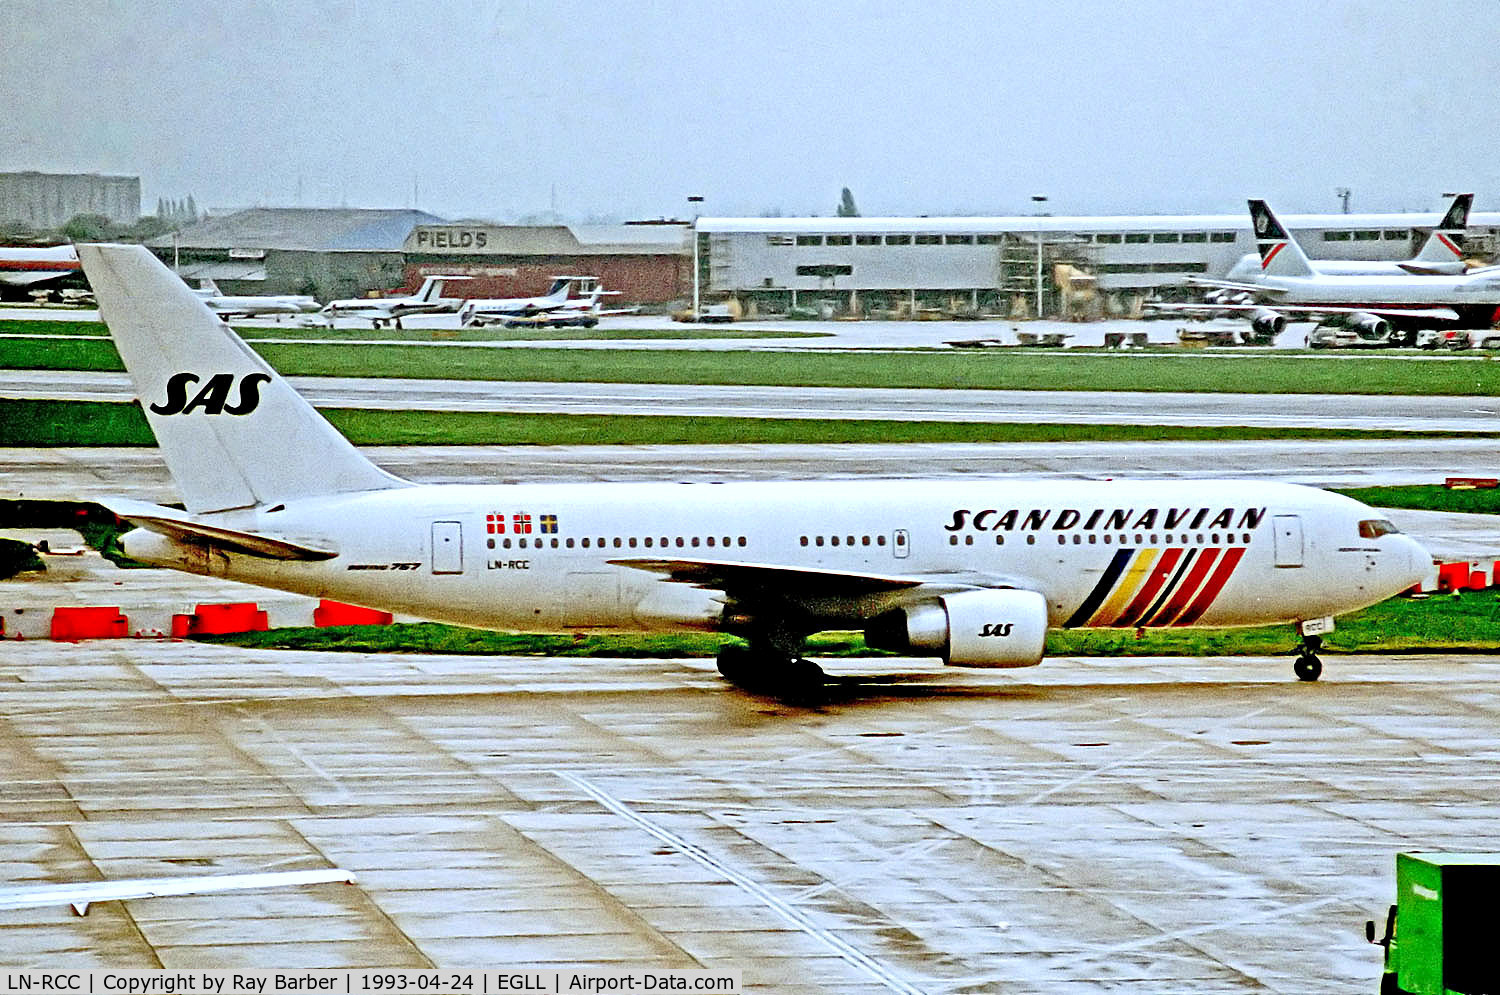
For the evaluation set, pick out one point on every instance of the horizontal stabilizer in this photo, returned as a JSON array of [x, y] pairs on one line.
[[182, 527], [1455, 268]]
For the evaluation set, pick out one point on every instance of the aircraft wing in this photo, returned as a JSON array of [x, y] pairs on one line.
[[786, 581], [759, 582], [1311, 311], [182, 527], [23, 278], [1253, 288]]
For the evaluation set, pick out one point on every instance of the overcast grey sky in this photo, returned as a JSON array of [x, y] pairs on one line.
[[927, 108]]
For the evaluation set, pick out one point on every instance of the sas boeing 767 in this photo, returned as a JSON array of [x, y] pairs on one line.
[[974, 572]]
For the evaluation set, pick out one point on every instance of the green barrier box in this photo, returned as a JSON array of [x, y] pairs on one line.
[[1440, 935]]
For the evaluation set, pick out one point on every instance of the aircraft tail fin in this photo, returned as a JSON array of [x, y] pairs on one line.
[[1446, 243], [432, 289], [209, 287], [233, 432], [1280, 255]]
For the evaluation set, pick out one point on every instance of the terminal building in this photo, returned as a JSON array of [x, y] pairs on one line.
[[1077, 267]]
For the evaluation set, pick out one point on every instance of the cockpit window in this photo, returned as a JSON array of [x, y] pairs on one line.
[[1374, 528]]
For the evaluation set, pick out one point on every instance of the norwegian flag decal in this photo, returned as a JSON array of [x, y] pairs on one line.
[[521, 523]]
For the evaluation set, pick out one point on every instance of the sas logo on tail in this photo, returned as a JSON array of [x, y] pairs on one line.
[[213, 397]]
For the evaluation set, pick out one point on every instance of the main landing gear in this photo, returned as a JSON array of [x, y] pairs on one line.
[[773, 671], [1307, 666]]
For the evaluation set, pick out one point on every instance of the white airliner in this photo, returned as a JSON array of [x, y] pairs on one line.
[[1441, 255], [1379, 307], [380, 310], [22, 267], [974, 572], [250, 306], [487, 311]]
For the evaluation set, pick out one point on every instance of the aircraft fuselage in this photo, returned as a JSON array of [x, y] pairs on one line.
[[549, 557]]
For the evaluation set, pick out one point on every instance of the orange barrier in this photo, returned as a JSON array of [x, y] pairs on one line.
[[218, 620], [73, 624], [338, 613], [1453, 576]]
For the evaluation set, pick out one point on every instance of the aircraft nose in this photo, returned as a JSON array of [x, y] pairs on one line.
[[1419, 561]]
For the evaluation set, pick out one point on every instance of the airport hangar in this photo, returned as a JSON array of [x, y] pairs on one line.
[[334, 253]]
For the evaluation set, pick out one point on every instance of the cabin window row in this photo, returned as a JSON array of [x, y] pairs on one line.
[[846, 540], [1366, 235], [1152, 268], [622, 542], [1108, 539], [994, 238], [812, 240]]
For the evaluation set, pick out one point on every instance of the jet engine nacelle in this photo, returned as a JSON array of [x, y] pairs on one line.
[[1370, 326], [1267, 323], [968, 629]]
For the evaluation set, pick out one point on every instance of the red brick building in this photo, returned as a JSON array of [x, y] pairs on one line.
[[647, 263]]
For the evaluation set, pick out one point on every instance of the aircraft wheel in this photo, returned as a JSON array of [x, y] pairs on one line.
[[1308, 667], [802, 682], [736, 663]]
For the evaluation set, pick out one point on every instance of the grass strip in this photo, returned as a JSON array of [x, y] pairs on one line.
[[41, 422], [1428, 497], [18, 326], [1450, 624], [996, 369]]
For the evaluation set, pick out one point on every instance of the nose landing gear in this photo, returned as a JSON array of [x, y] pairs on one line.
[[1307, 666]]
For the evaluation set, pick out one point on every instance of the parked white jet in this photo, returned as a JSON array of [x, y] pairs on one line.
[[1441, 255], [249, 306], [22, 267], [488, 311], [973, 572], [380, 310], [1388, 307]]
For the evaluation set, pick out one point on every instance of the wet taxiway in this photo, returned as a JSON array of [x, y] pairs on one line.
[[1346, 411], [63, 473], [1091, 825]]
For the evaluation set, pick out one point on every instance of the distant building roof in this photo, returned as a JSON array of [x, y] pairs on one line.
[[308, 229], [1029, 223]]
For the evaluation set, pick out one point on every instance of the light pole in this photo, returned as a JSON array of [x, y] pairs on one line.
[[1039, 200], [695, 203]]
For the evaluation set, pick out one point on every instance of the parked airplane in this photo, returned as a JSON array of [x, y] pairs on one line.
[[249, 306], [380, 310], [974, 572], [1388, 308], [488, 311], [21, 267], [1441, 255]]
